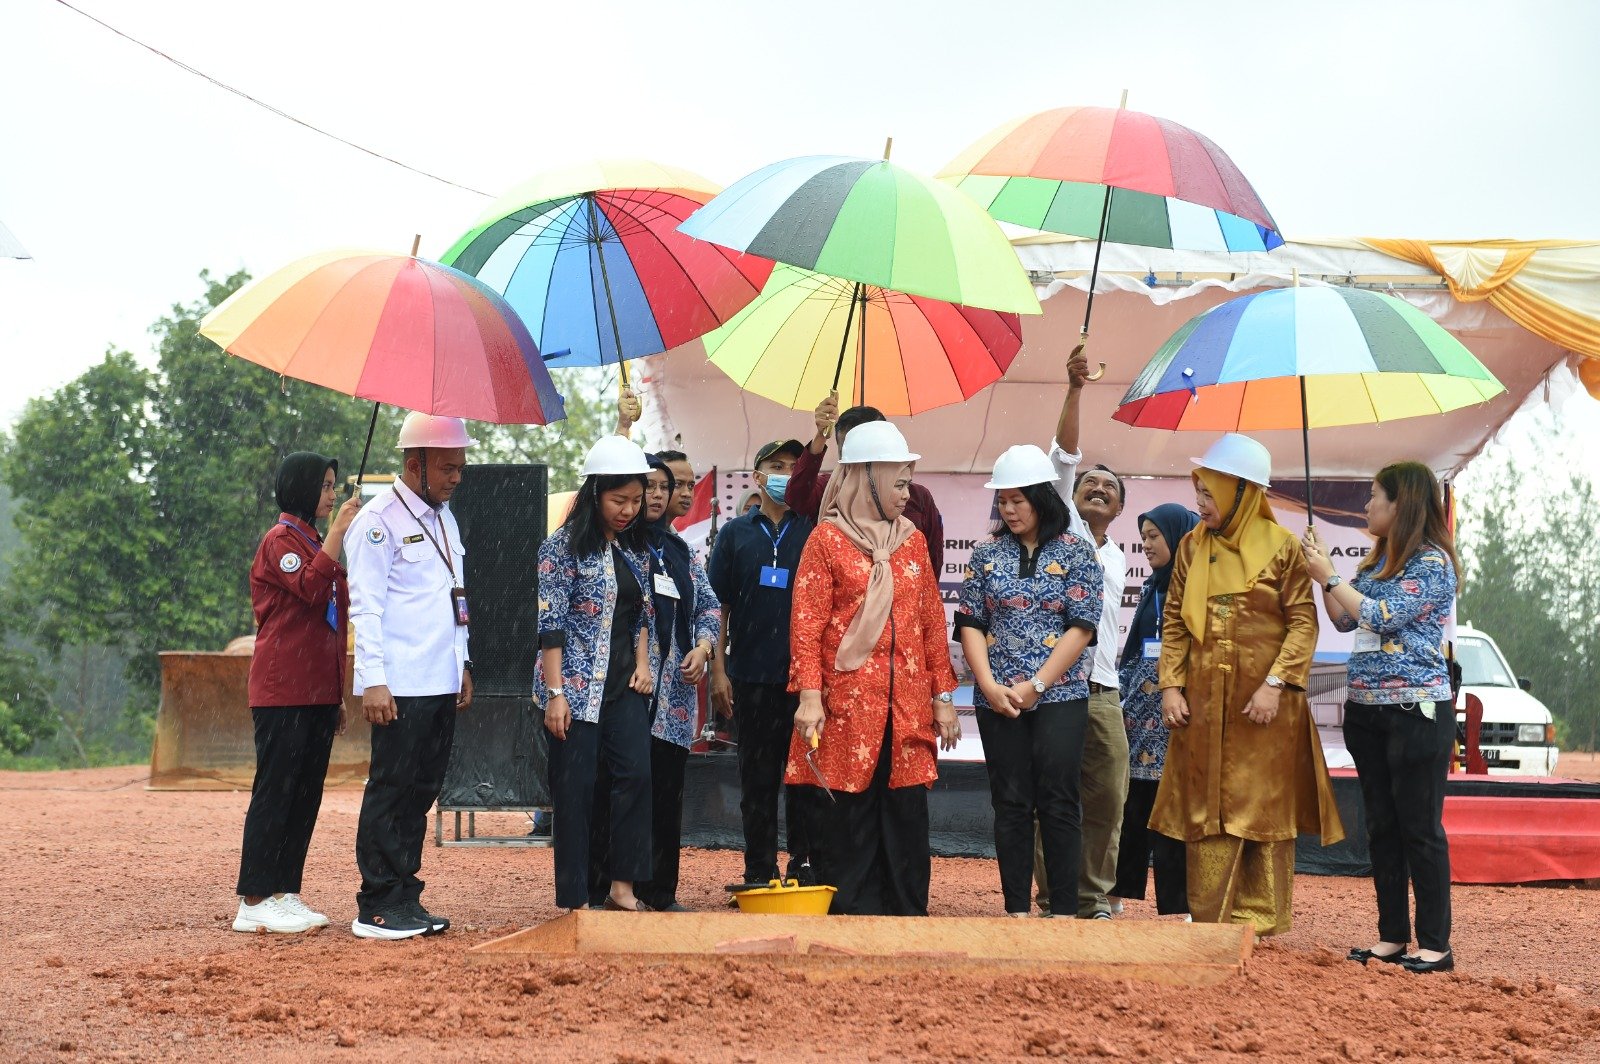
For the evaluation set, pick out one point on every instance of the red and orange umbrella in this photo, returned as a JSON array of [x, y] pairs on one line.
[[394, 329]]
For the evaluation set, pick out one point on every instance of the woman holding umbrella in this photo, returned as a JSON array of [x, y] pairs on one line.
[[1399, 721], [301, 602], [599, 662], [1244, 773], [1161, 530], [871, 663]]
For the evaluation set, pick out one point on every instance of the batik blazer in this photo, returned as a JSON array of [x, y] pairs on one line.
[[678, 700], [577, 598], [1407, 613]]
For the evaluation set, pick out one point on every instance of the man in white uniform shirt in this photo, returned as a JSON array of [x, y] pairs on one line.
[[1094, 498], [409, 607]]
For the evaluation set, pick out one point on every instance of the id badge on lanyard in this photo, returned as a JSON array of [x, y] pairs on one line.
[[1152, 647], [773, 575], [665, 586]]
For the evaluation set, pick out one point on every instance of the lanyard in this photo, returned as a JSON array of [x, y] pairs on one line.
[[784, 531], [333, 590], [444, 555]]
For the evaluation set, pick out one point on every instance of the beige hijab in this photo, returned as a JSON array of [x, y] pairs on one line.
[[849, 505]]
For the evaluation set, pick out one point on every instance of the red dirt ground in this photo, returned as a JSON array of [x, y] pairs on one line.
[[115, 904]]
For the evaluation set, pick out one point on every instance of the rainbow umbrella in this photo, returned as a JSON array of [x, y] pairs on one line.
[[575, 249], [871, 222], [394, 329], [929, 353], [1304, 358], [1114, 175]]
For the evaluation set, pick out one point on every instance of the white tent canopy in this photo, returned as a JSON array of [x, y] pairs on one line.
[[721, 425]]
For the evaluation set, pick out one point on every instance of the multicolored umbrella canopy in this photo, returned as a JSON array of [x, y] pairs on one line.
[[809, 332], [1174, 188], [592, 259], [1362, 356], [870, 221], [395, 329], [1304, 358]]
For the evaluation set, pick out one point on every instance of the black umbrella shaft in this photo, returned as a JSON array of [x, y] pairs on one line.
[[605, 279], [361, 471], [844, 341], [1305, 442], [1094, 271]]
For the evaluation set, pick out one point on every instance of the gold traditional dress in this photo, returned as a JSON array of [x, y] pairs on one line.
[[1239, 608]]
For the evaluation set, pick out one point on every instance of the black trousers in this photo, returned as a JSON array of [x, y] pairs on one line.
[[292, 747], [1402, 759], [620, 740], [667, 761], [409, 758], [1141, 847], [764, 714], [1034, 762], [873, 846]]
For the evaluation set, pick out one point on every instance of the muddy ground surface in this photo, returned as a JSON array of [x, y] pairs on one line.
[[115, 905]]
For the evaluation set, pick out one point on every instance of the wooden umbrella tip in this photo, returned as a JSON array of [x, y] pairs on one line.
[[888, 143]]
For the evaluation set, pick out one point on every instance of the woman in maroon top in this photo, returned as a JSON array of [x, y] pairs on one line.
[[302, 610]]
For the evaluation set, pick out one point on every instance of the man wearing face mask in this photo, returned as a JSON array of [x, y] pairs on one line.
[[752, 573]]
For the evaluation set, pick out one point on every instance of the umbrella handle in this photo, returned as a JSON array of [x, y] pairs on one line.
[[1083, 339]]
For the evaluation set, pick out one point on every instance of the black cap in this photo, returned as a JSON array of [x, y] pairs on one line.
[[767, 450]]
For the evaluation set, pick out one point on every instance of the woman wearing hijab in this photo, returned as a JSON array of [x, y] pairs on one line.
[[687, 620], [297, 683], [1161, 530], [1399, 721], [1029, 606], [1244, 773], [871, 664], [598, 661]]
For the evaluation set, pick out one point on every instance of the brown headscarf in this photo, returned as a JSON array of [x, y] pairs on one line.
[[850, 505], [1229, 559]]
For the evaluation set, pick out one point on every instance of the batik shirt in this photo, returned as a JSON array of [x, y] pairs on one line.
[[1140, 692], [678, 700], [577, 597], [1405, 617], [1025, 605]]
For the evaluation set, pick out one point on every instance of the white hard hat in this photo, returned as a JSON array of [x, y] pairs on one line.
[[875, 441], [433, 430], [615, 456], [1021, 466], [1238, 456]]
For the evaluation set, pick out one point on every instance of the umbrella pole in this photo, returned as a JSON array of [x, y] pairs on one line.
[[861, 346], [605, 279], [844, 343], [1305, 442], [361, 471]]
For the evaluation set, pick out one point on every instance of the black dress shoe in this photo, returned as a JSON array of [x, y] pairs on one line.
[[1447, 963], [1362, 956]]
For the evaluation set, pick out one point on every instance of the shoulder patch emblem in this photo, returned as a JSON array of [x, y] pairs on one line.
[[375, 534], [289, 563]]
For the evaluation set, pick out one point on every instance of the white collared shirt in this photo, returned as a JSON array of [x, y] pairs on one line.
[[406, 635], [1112, 561]]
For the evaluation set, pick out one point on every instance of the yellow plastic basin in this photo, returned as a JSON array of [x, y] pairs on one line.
[[787, 899]]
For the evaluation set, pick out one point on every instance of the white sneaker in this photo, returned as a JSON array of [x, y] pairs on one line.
[[1116, 905], [269, 914], [293, 904]]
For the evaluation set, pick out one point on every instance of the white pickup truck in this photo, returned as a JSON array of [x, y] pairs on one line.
[[1518, 736]]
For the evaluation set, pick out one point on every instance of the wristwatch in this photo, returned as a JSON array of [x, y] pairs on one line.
[[1333, 581], [945, 696], [1274, 683], [466, 667], [1038, 685], [555, 692]]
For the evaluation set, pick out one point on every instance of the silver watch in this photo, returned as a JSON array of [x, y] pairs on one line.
[[1333, 581], [945, 696], [1038, 685], [553, 693], [1274, 683]]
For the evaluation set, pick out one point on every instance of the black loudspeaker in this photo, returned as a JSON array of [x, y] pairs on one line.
[[502, 513]]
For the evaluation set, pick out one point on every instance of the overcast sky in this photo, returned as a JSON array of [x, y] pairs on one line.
[[125, 175]]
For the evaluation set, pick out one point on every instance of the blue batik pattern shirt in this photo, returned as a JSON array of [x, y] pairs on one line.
[[1141, 716], [1024, 609], [577, 598], [1405, 615], [678, 700]]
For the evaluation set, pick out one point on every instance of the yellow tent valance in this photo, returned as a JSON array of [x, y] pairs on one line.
[[1546, 286]]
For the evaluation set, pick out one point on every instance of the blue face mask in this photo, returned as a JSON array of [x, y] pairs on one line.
[[776, 487]]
